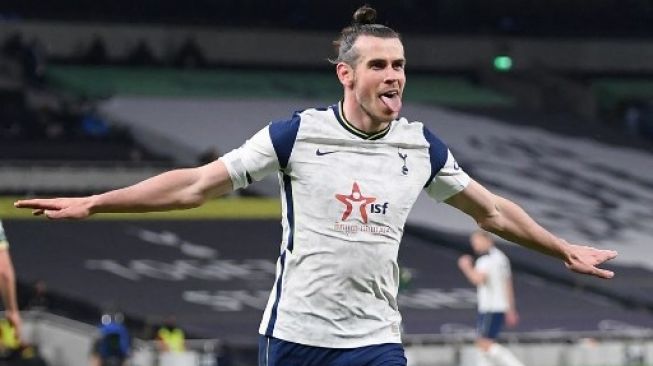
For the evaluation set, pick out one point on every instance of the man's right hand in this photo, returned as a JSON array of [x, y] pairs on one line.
[[512, 318], [58, 208], [465, 261]]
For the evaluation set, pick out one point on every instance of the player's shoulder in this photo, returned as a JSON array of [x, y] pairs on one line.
[[403, 128], [315, 112], [499, 254], [484, 257], [303, 117], [302, 114], [419, 128], [404, 123]]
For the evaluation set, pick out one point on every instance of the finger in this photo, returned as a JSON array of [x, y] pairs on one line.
[[602, 273], [36, 204], [25, 203], [611, 254], [60, 214], [53, 214], [38, 212], [605, 256]]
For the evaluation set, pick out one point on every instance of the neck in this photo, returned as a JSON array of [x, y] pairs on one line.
[[359, 118]]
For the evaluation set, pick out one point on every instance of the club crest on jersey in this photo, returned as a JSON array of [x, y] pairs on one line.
[[404, 168]]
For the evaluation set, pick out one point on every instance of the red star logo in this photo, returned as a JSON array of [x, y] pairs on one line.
[[355, 197]]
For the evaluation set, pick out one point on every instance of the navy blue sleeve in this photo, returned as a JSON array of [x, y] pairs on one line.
[[283, 135], [438, 153]]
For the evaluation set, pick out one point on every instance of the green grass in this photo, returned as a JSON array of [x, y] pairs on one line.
[[224, 208]]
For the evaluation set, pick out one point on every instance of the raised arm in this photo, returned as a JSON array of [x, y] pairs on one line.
[[509, 221], [175, 189]]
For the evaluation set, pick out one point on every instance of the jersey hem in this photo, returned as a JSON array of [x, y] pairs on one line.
[[341, 344]]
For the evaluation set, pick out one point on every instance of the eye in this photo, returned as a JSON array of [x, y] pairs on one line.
[[377, 65]]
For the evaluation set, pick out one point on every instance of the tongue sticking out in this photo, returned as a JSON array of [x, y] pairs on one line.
[[393, 103]]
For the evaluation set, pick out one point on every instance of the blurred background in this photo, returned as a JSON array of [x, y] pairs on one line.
[[549, 103]]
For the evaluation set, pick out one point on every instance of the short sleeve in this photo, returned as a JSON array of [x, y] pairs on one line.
[[267, 151], [482, 264], [450, 180], [254, 160]]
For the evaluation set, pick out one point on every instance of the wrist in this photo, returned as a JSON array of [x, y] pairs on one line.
[[93, 204], [11, 312], [564, 250]]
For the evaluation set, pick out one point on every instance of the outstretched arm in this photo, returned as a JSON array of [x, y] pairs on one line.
[[509, 221], [175, 189]]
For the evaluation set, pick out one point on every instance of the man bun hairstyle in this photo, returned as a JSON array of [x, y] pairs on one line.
[[364, 15], [363, 24]]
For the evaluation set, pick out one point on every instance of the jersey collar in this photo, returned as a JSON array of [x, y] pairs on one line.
[[340, 116]]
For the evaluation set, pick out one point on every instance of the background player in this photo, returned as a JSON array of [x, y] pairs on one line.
[[496, 298]]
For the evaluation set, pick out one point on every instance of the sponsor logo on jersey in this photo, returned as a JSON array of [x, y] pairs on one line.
[[358, 205], [355, 197], [322, 153]]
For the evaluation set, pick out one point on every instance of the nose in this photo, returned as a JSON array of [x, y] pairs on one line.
[[391, 76]]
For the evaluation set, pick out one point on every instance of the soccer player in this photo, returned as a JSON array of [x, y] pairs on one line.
[[8, 285], [349, 175], [496, 299]]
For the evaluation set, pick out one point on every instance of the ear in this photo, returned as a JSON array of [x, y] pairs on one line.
[[345, 74]]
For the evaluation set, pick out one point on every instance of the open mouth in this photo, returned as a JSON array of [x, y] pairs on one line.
[[391, 99]]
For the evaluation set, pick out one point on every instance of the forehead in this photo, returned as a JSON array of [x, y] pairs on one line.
[[370, 47]]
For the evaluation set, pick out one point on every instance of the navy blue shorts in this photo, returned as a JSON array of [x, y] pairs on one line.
[[488, 325], [277, 352]]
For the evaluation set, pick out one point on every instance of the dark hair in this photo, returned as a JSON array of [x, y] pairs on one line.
[[362, 25]]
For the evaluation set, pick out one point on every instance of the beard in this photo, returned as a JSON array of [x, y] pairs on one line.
[[367, 106]]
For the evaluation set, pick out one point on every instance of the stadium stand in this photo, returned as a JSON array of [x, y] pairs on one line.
[[44, 128], [449, 90], [97, 97], [558, 18], [627, 103]]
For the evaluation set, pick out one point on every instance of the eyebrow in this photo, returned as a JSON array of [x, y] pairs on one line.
[[382, 60]]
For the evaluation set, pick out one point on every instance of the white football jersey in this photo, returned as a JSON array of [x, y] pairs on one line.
[[492, 294], [345, 198]]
